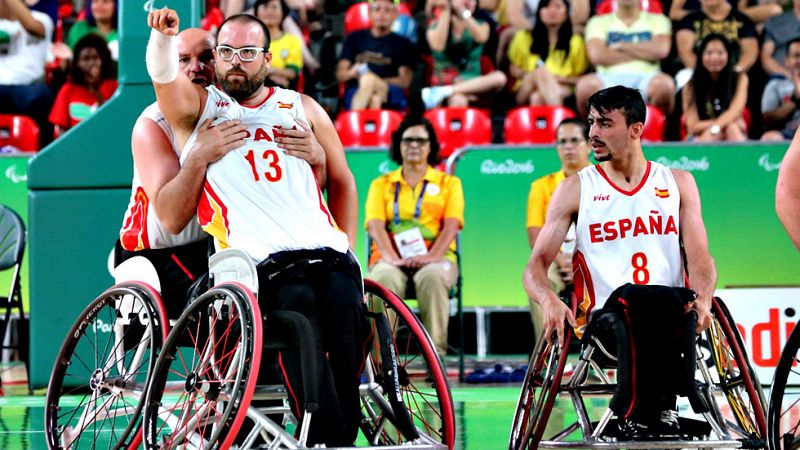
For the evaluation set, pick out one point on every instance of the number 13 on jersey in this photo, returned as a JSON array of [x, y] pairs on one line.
[[273, 172]]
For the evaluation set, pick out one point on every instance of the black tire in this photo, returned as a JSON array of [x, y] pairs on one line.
[[400, 404], [742, 388], [539, 392], [105, 364], [784, 428], [205, 375]]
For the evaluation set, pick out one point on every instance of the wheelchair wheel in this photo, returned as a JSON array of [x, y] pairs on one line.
[[539, 392], [737, 379], [405, 394], [784, 425], [206, 373], [95, 394]]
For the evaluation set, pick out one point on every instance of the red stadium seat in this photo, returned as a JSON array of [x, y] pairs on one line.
[[609, 6], [654, 125], [357, 16], [367, 128], [460, 127], [535, 124], [19, 131]]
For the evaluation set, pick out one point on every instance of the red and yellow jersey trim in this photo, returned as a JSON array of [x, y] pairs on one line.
[[134, 231], [212, 214], [584, 291]]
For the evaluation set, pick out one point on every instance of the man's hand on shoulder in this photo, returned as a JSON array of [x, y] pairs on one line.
[[214, 142], [301, 143], [164, 20]]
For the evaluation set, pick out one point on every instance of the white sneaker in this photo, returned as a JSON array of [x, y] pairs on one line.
[[433, 96]]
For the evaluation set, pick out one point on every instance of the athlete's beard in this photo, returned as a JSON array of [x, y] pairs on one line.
[[606, 157], [240, 89]]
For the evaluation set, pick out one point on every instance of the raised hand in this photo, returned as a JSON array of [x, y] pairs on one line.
[[164, 20]]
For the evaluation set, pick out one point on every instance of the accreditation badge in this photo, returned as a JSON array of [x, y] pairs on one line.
[[410, 243]]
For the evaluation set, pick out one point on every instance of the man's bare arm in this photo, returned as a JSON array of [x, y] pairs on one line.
[[180, 100], [563, 206], [787, 192], [700, 264], [342, 194], [174, 190]]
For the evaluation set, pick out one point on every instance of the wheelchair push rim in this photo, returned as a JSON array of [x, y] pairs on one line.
[[423, 386], [96, 389], [205, 376]]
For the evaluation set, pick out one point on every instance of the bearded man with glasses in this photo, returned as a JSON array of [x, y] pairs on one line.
[[262, 200], [572, 145], [413, 215]]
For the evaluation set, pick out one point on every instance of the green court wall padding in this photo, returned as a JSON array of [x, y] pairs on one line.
[[79, 187]]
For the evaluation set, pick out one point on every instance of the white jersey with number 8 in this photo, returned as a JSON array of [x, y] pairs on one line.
[[257, 198], [625, 236]]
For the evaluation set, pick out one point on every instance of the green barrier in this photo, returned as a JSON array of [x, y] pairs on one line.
[[13, 193]]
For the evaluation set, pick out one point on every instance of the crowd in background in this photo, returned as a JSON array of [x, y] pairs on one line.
[[718, 70]]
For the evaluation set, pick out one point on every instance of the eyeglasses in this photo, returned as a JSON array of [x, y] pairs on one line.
[[245, 54], [414, 140], [572, 141]]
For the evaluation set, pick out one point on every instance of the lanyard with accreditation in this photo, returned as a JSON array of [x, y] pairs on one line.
[[409, 242]]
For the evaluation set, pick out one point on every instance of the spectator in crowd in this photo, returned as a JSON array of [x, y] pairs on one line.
[[456, 38], [413, 215], [780, 103], [302, 9], [517, 15], [91, 83], [787, 191], [759, 12], [626, 47], [24, 46], [101, 18], [572, 145], [778, 32], [715, 97], [548, 60], [715, 16], [286, 48], [377, 64]]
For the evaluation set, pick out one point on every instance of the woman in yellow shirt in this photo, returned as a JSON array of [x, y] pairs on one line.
[[548, 60], [286, 48], [413, 215]]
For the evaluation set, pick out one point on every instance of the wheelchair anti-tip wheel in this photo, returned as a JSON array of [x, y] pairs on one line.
[[736, 378], [206, 373], [784, 401], [539, 392], [94, 397], [404, 391]]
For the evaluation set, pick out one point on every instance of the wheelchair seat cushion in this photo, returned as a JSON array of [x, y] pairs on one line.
[[653, 344]]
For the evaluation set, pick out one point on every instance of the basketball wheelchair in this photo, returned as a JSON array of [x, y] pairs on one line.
[[126, 376], [721, 370], [783, 418]]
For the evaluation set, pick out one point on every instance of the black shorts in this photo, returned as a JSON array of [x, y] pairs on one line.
[[177, 268]]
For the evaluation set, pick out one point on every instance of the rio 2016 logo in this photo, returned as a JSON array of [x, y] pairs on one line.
[[686, 163], [507, 167]]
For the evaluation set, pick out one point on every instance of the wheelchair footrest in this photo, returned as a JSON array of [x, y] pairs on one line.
[[690, 429]]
